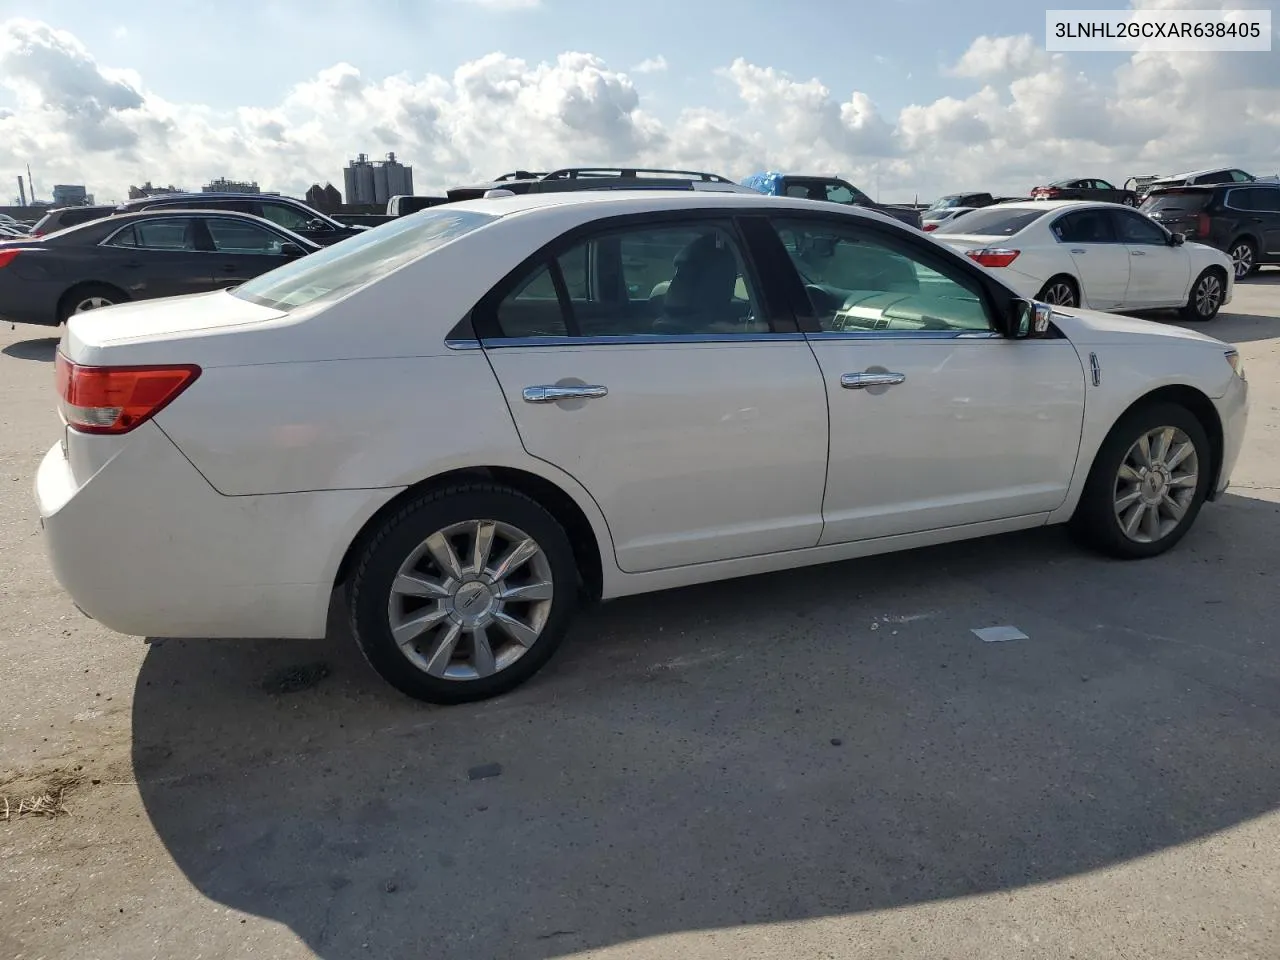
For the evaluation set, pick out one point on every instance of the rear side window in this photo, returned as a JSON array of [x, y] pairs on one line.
[[992, 222], [1085, 226], [360, 260], [1255, 199]]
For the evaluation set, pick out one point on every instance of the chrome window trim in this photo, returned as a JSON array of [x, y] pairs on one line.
[[496, 343], [906, 335], [214, 215]]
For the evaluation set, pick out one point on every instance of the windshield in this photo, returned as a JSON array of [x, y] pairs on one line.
[[945, 203], [1176, 201], [991, 222], [360, 260]]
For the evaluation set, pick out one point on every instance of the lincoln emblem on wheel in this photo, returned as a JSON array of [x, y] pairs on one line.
[[497, 410]]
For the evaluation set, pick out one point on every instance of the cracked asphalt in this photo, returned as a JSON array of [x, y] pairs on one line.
[[821, 764]]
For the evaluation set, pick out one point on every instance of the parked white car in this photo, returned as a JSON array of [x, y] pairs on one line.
[[1104, 256], [934, 218], [475, 416]]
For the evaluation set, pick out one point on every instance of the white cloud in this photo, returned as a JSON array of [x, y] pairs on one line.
[[1014, 118], [651, 65]]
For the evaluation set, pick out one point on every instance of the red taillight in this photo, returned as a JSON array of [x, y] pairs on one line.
[[993, 256], [930, 226], [1202, 225], [114, 400], [6, 257]]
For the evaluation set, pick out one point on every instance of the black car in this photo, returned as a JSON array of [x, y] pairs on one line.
[[1242, 219], [138, 256], [62, 217], [1087, 188], [294, 215]]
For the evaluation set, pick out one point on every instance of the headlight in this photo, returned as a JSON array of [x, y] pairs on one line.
[[1233, 358]]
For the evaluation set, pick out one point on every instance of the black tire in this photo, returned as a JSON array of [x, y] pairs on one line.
[[86, 291], [1061, 281], [1095, 522], [1244, 256], [1205, 299], [402, 533]]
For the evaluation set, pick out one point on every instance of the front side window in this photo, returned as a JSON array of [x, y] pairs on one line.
[[1102, 185], [360, 260], [283, 215], [236, 236], [1085, 226], [175, 235], [1137, 229], [1239, 176], [652, 280], [859, 281]]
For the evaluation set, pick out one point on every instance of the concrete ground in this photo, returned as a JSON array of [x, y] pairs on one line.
[[823, 764]]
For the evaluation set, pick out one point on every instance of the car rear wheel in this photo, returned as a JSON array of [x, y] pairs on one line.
[[1061, 292], [90, 296], [1206, 296], [464, 593], [1244, 257], [1147, 484]]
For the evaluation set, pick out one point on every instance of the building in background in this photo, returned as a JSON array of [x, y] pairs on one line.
[[71, 195], [223, 185], [147, 190], [376, 181], [326, 198]]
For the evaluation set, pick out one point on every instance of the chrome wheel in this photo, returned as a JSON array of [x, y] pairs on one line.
[[1059, 294], [92, 303], [471, 600], [1156, 484], [1208, 295], [1242, 259]]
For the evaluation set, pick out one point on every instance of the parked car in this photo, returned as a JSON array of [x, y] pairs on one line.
[[1242, 219], [1073, 252], [293, 215], [8, 232], [229, 458], [598, 178], [403, 205], [62, 217], [137, 256], [969, 201], [1086, 189], [934, 218], [830, 189], [1193, 178]]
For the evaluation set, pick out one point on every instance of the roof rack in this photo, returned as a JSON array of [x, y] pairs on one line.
[[631, 173], [520, 175]]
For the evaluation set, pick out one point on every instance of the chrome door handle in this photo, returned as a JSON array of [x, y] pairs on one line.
[[1137, 253], [1078, 251], [552, 393], [857, 381]]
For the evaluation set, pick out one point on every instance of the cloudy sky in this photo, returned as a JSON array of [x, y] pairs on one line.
[[903, 97]]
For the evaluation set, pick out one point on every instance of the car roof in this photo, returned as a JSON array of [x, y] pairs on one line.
[[1050, 205], [191, 194], [620, 202]]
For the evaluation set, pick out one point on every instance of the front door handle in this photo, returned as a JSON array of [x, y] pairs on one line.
[[1137, 253], [1079, 250], [859, 381], [551, 393]]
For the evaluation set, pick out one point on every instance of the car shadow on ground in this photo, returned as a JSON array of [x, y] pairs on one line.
[[814, 743], [39, 348]]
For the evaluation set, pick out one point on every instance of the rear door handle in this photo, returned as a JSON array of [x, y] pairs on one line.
[[550, 393], [859, 381], [1079, 250], [1137, 253]]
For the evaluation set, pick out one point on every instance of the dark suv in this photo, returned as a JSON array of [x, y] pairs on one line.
[[294, 215], [1241, 218], [63, 217]]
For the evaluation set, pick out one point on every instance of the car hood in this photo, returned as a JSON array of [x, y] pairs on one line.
[[1094, 327]]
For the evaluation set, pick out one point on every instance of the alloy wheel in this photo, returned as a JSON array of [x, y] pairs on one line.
[[92, 303], [1208, 295], [1242, 258], [1156, 484], [471, 600], [1059, 294]]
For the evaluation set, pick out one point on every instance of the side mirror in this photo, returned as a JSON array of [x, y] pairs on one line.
[[318, 226], [1030, 318], [288, 249], [1177, 239]]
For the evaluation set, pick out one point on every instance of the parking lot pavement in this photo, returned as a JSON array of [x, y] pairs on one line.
[[826, 763]]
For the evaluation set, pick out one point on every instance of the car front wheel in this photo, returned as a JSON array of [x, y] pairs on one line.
[[1147, 484], [464, 593], [1206, 296]]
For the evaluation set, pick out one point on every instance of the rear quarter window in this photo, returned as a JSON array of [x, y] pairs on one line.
[[992, 222]]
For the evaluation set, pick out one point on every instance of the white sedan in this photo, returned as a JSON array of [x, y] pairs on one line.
[[474, 417], [1100, 255], [932, 219]]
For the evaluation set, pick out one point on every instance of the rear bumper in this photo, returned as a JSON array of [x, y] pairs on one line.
[[28, 301], [145, 546], [1233, 411]]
